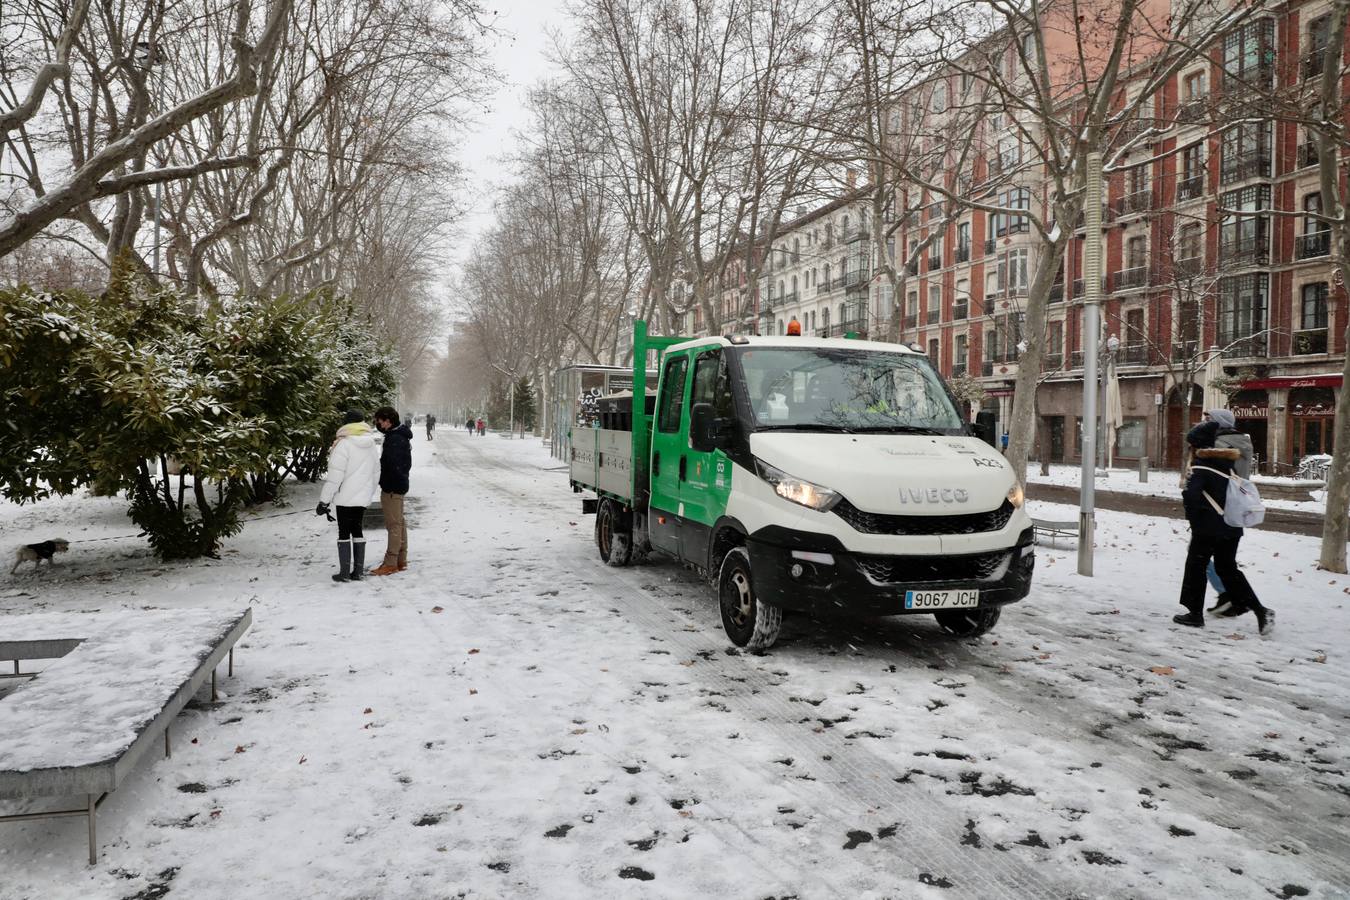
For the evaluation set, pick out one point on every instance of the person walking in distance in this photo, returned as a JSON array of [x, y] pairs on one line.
[[350, 483], [395, 463], [1212, 537], [482, 427], [469, 425], [431, 425]]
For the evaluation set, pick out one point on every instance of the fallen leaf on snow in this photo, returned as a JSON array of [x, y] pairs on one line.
[[473, 651], [473, 691], [239, 748], [215, 814], [1320, 658], [686, 662], [686, 814], [302, 760], [1044, 656], [1235, 637], [1161, 670], [1272, 734], [367, 711], [194, 740], [437, 609], [578, 730]]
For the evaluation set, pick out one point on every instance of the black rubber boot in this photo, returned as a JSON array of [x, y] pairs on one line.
[[344, 561], [1190, 620], [358, 559]]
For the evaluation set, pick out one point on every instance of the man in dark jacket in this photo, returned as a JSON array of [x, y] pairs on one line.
[[1212, 537], [395, 462]]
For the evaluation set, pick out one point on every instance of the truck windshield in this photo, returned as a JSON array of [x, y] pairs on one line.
[[826, 388]]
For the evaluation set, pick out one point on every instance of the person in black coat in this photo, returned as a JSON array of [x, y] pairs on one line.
[[1211, 537], [395, 463]]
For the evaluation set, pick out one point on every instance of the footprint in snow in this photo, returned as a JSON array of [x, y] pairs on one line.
[[636, 872], [560, 831]]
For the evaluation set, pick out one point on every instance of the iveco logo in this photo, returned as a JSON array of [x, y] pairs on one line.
[[934, 495]]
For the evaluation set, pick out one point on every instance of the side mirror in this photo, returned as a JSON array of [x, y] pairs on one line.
[[707, 433], [985, 427]]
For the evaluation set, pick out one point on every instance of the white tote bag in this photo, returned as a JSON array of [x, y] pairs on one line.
[[1242, 506]]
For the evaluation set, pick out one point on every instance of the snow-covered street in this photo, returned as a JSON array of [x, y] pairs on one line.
[[511, 718]]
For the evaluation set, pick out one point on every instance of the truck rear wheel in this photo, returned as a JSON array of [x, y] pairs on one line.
[[968, 622], [749, 622], [613, 536]]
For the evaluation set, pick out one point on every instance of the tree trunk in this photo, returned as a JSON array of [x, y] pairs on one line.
[[1022, 427], [1335, 524]]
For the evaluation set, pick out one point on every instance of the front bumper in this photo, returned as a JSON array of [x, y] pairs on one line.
[[863, 584]]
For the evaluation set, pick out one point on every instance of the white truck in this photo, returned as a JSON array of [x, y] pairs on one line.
[[806, 474]]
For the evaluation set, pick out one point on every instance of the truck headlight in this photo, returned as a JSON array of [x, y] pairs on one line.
[[1016, 496], [819, 498]]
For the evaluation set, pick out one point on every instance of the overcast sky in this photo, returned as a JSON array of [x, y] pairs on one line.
[[521, 55]]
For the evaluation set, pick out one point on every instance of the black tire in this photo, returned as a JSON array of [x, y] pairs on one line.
[[968, 622], [749, 622], [613, 535]]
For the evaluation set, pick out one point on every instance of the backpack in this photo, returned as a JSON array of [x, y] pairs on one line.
[[1242, 506]]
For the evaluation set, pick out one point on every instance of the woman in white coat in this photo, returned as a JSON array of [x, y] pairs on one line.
[[351, 483]]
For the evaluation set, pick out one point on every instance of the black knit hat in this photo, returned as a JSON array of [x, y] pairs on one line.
[[1202, 436], [352, 416]]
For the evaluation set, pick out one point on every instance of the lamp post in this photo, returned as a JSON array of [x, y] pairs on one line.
[[1092, 292], [147, 57]]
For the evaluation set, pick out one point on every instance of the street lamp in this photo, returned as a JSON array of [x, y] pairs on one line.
[[1108, 372]]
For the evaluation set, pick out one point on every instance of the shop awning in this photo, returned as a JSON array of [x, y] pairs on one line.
[[1293, 381]]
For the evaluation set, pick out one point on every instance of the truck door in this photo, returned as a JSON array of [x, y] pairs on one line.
[[707, 484], [669, 445]]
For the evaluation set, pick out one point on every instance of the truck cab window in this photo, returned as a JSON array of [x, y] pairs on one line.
[[712, 384], [672, 394]]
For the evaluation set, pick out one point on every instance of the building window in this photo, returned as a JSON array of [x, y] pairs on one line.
[[1054, 344], [1249, 56], [825, 318], [1136, 180], [940, 97], [1130, 438], [1190, 243], [934, 304], [962, 351], [1246, 152], [1197, 87], [1314, 305], [1001, 224], [1136, 252], [1012, 271], [1243, 302], [1319, 32], [933, 351], [1243, 237]]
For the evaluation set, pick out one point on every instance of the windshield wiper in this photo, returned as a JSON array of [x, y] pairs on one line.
[[807, 426], [897, 429]]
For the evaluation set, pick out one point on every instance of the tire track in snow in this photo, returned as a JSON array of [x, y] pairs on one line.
[[861, 775]]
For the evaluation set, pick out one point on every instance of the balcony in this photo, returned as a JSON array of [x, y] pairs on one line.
[[1189, 267], [1243, 348], [850, 326], [1310, 63], [1308, 246], [911, 320], [959, 310], [934, 262], [962, 253], [1130, 279], [787, 299], [1248, 250], [1131, 129], [1133, 204], [1184, 350], [991, 247], [934, 315], [1190, 188], [987, 369], [1312, 340], [1194, 111], [990, 303], [1057, 292], [1076, 359], [1242, 166], [1307, 154], [1135, 354], [1238, 86], [822, 288], [958, 370], [1052, 362], [912, 268]]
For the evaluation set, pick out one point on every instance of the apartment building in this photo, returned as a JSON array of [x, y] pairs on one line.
[[1211, 249]]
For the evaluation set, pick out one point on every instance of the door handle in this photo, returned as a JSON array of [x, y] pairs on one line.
[[656, 464], [683, 467]]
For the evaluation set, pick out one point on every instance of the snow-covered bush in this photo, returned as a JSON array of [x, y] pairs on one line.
[[191, 413]]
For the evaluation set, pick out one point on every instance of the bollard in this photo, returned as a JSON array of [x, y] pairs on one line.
[[1143, 470]]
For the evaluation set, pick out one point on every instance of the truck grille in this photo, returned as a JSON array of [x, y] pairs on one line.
[[881, 523], [919, 569]]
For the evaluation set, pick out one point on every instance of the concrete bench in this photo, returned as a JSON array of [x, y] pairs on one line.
[[1051, 530], [79, 726], [1288, 490]]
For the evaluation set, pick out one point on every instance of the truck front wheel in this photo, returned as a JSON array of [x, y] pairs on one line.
[[749, 622], [613, 534], [968, 622]]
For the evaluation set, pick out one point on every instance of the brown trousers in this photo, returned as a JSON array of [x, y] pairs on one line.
[[396, 554]]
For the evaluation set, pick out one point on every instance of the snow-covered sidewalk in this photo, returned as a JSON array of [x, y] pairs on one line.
[[510, 718], [1163, 483]]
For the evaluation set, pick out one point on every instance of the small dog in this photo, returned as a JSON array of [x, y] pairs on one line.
[[36, 553]]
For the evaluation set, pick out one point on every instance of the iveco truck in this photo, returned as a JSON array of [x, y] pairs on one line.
[[802, 474]]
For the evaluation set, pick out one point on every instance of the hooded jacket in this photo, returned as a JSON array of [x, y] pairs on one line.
[[396, 459], [353, 467], [1204, 519], [1229, 436]]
